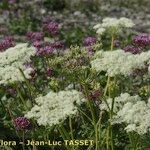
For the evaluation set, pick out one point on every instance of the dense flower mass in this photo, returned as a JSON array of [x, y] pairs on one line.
[[56, 107], [58, 45], [118, 102], [7, 42], [142, 39], [119, 62], [46, 48], [14, 59], [89, 41], [113, 25], [38, 44], [51, 27], [35, 36], [132, 49], [131, 110], [22, 123], [45, 51]]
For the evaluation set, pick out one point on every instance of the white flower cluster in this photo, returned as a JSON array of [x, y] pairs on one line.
[[113, 25], [14, 59], [118, 102], [119, 62], [132, 111], [54, 108]]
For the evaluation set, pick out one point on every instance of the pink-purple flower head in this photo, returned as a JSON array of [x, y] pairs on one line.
[[142, 39], [45, 51], [35, 36], [89, 41], [52, 28], [22, 123], [38, 44], [58, 45], [6, 43], [132, 49]]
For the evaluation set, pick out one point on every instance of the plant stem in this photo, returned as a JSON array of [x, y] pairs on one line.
[[132, 141], [86, 115], [71, 129], [23, 140], [64, 135], [30, 88], [21, 97], [107, 139], [107, 88], [70, 125], [112, 43]]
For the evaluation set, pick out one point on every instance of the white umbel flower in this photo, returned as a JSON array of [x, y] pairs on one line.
[[132, 111], [55, 107], [100, 31], [14, 59], [113, 25], [118, 102], [119, 62], [125, 22]]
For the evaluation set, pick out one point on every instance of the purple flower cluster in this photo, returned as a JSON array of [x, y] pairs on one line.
[[38, 44], [58, 45], [89, 41], [142, 39], [51, 27], [37, 39], [138, 43], [45, 51], [132, 49], [6, 43], [35, 36], [22, 123], [48, 48]]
